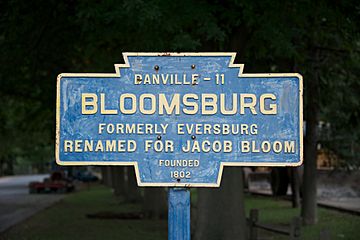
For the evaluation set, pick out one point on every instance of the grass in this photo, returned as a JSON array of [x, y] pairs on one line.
[[340, 225], [67, 220]]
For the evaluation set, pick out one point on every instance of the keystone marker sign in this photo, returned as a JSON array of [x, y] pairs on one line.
[[179, 118]]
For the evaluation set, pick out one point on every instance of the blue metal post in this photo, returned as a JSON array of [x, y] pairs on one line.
[[179, 214]]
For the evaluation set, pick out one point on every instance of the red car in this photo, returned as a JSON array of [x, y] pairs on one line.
[[57, 183]]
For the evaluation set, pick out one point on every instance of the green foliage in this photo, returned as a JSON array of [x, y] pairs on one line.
[[44, 38]]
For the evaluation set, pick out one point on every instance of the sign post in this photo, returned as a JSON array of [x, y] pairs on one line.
[[179, 214], [179, 118]]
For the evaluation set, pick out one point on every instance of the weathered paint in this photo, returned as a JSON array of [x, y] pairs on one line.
[[179, 214], [286, 125]]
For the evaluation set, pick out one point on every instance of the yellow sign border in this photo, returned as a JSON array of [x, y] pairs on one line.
[[222, 164]]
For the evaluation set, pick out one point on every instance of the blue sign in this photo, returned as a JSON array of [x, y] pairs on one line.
[[179, 118]]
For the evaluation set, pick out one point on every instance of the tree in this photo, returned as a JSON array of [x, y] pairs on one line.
[[118, 181], [318, 39], [132, 191], [34, 50], [221, 213], [321, 37], [309, 206], [155, 203]]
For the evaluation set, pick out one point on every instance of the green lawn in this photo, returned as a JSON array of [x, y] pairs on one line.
[[67, 220], [340, 225]]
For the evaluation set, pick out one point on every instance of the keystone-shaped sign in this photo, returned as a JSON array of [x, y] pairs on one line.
[[179, 118]]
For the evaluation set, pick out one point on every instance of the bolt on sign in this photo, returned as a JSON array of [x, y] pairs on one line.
[[179, 118]]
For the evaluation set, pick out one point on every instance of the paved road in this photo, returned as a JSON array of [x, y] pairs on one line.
[[16, 204]]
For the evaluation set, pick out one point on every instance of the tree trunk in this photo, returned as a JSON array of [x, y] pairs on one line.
[[309, 207], [10, 165], [220, 211], [155, 203], [279, 181], [221, 214], [295, 187], [132, 191], [113, 177], [118, 181], [1, 167], [106, 176]]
